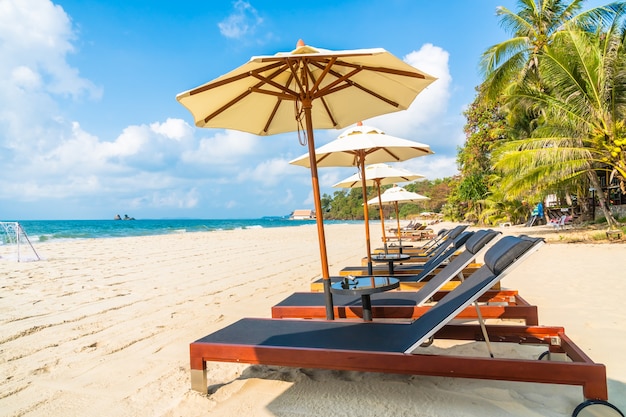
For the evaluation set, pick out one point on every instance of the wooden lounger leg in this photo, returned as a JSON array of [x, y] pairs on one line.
[[198, 374]]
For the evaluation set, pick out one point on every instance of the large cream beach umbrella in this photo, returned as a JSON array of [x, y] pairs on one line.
[[359, 146], [377, 175], [302, 90], [396, 195]]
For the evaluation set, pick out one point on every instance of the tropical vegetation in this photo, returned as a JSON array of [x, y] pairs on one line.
[[550, 113], [548, 119]]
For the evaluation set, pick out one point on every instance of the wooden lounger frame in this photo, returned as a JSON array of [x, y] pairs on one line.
[[410, 235], [582, 371], [398, 270], [448, 252], [394, 347], [510, 306]]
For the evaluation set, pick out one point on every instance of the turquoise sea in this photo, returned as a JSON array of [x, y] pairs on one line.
[[51, 230]]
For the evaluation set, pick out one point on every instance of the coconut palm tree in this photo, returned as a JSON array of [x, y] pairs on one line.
[[583, 125], [533, 27]]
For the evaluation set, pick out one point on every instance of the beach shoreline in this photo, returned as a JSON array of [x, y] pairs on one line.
[[103, 326]]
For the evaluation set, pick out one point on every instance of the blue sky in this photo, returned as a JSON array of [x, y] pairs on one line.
[[90, 127]]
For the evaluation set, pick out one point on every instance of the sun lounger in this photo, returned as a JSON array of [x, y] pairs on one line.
[[418, 232], [409, 227], [393, 347], [429, 280], [495, 304], [434, 243], [561, 222], [474, 242], [398, 270], [417, 254]]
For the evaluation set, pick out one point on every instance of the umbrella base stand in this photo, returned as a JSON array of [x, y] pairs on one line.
[[366, 302], [330, 308]]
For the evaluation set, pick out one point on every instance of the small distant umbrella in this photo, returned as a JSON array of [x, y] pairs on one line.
[[375, 176], [360, 146], [396, 195], [302, 90]]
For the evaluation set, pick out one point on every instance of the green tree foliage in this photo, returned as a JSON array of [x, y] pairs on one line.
[[549, 114], [344, 205], [583, 128], [437, 190], [484, 128], [515, 61], [548, 111], [348, 204]]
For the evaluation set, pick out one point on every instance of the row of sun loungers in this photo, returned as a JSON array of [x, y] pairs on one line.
[[410, 232], [450, 243], [405, 322]]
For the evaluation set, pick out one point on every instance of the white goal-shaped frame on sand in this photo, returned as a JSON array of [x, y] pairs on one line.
[[13, 235]]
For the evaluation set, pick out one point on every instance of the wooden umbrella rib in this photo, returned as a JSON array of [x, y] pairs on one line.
[[341, 78], [328, 112], [326, 91], [327, 67], [227, 105], [294, 73], [355, 158], [279, 100], [382, 69], [255, 88], [279, 94], [316, 83], [285, 91], [372, 93], [312, 57], [324, 156], [330, 88], [425, 150], [276, 106], [393, 155], [272, 114], [229, 80]]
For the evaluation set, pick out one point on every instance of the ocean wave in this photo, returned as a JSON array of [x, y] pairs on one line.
[[44, 231]]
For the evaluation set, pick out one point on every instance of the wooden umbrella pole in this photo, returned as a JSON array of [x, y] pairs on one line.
[[319, 214], [399, 231], [382, 215], [361, 162]]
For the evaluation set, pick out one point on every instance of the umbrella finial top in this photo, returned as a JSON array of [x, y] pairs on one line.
[[300, 43], [361, 129]]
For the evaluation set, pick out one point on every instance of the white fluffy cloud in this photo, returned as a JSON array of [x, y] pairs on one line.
[[223, 148], [429, 105], [47, 155], [242, 22], [268, 173]]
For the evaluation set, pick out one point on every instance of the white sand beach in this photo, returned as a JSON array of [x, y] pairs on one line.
[[102, 327]]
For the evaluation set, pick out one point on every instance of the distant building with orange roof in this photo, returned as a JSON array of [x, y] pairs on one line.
[[302, 215]]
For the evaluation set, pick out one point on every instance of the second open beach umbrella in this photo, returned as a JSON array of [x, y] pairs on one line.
[[364, 145], [377, 175], [302, 90], [396, 195]]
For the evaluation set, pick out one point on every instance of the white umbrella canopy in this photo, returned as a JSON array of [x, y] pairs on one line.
[[359, 146], [365, 144], [375, 176], [259, 97], [396, 195], [379, 174], [302, 90]]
